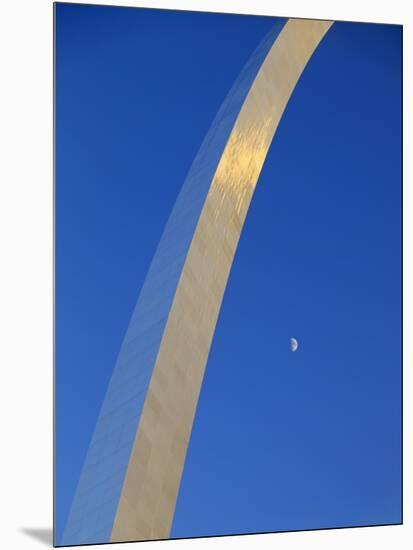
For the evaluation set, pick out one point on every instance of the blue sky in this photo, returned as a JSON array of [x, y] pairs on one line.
[[280, 441]]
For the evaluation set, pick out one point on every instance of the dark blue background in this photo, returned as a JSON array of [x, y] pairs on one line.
[[280, 440]]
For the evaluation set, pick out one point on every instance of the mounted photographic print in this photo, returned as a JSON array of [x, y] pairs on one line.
[[227, 274]]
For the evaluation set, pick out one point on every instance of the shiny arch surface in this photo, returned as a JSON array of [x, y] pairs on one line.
[[148, 498], [129, 484]]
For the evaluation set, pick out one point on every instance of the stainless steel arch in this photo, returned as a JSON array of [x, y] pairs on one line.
[[129, 483], [149, 493]]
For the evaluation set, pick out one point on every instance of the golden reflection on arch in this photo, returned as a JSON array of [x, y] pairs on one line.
[[147, 502]]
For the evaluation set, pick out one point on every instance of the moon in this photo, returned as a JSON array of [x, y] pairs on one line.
[[293, 344]]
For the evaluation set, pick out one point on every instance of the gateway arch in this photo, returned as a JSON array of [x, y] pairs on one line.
[[129, 483]]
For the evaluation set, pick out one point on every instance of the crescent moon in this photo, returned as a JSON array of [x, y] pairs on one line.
[[294, 344]]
